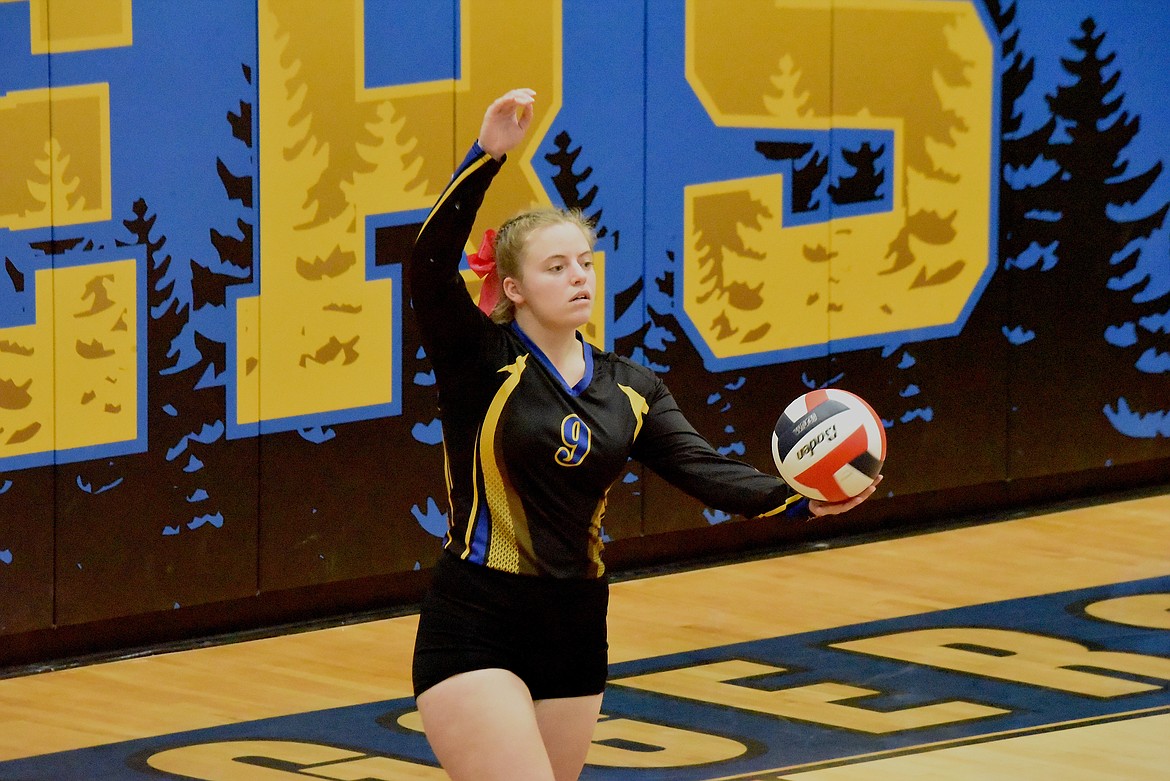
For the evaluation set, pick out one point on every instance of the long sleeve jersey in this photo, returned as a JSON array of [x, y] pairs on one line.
[[530, 459]]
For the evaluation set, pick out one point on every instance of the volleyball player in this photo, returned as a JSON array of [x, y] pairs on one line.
[[511, 654]]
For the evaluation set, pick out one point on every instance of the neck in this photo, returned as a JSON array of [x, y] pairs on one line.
[[553, 342], [559, 345]]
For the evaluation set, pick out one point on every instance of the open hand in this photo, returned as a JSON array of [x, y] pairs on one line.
[[819, 508], [506, 121]]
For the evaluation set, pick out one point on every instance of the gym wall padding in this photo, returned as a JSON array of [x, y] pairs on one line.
[[215, 413]]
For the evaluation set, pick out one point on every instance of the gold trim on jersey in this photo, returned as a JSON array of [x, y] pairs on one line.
[[596, 545], [447, 538], [467, 537], [787, 503], [639, 407], [510, 542]]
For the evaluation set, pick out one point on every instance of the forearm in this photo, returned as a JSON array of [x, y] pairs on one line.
[[729, 485], [437, 250], [672, 448], [441, 302]]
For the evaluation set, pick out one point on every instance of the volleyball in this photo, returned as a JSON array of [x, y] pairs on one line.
[[829, 444]]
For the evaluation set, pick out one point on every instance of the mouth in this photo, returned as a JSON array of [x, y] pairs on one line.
[[581, 297]]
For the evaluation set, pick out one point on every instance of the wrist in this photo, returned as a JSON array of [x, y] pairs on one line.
[[495, 154]]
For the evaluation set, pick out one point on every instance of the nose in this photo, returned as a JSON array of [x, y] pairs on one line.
[[579, 275]]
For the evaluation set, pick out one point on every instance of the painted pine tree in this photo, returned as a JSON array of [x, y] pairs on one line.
[[1023, 165], [1144, 409], [56, 192], [1091, 214], [193, 481]]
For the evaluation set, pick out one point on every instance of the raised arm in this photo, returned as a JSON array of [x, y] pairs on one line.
[[450, 323]]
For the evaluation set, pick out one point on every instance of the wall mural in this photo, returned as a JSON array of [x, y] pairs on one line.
[[210, 383]]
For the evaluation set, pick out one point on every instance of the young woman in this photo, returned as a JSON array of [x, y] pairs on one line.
[[511, 654]]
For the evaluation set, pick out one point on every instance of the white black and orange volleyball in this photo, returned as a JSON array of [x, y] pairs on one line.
[[829, 444]]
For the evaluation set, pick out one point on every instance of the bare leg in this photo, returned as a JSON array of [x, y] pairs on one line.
[[567, 725], [482, 726]]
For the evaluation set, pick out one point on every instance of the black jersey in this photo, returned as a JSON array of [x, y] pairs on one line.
[[529, 459]]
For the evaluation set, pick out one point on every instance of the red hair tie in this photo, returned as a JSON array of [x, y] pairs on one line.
[[483, 263]]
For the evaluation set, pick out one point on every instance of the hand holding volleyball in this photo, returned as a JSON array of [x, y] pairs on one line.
[[829, 445]]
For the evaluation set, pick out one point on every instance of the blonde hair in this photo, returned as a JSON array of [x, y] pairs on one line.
[[510, 241]]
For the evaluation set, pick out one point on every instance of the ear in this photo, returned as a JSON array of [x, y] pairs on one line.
[[511, 289]]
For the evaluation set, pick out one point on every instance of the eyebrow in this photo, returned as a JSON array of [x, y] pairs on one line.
[[563, 256]]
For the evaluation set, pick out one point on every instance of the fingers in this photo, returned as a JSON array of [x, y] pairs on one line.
[[524, 114], [506, 121], [517, 102], [819, 508], [521, 94]]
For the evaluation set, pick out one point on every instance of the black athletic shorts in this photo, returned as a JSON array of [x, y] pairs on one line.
[[550, 632]]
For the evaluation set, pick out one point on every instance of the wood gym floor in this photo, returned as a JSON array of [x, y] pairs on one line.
[[1032, 648]]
